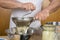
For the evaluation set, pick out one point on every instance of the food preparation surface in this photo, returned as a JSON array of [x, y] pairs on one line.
[[33, 37]]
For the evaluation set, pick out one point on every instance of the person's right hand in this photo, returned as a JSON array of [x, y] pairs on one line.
[[28, 6]]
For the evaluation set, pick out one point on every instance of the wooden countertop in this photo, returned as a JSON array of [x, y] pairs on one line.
[[36, 36], [33, 37], [5, 37]]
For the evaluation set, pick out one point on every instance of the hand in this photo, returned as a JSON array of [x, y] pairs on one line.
[[42, 15], [28, 6]]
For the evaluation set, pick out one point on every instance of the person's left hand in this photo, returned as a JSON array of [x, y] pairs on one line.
[[42, 15]]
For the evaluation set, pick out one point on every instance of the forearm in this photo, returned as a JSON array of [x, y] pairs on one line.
[[10, 4], [53, 5]]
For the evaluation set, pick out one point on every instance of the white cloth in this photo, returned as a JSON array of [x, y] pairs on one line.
[[20, 13]]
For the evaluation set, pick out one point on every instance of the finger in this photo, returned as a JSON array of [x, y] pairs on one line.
[[36, 17], [32, 7], [40, 16], [43, 18]]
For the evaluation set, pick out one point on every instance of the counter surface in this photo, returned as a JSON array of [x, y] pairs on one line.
[[33, 37]]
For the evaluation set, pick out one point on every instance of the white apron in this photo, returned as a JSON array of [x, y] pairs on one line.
[[20, 13]]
